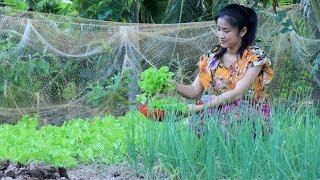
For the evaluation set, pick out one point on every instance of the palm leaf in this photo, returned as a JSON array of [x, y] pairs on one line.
[[216, 6], [181, 11], [153, 10]]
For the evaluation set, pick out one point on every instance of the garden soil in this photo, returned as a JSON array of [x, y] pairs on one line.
[[33, 171], [102, 171]]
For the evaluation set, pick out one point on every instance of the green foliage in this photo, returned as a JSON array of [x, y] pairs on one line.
[[302, 27], [76, 141], [212, 8], [96, 95], [290, 78], [286, 23], [247, 151], [267, 3], [70, 91], [110, 95], [53, 6], [18, 4], [168, 103], [154, 9], [316, 7], [316, 65], [154, 81], [157, 87], [111, 10], [21, 76], [24, 73], [238, 150], [287, 2], [180, 11], [32, 73]]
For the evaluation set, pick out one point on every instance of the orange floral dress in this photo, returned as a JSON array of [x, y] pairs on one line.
[[217, 79]]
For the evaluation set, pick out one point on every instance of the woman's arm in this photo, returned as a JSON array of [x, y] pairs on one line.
[[192, 91], [230, 96]]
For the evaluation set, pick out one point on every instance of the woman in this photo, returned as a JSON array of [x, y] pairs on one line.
[[235, 69]]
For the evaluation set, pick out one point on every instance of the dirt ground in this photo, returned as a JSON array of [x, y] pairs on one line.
[[32, 171], [96, 171], [102, 172], [112, 172]]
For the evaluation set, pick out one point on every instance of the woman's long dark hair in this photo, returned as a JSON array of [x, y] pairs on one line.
[[239, 16]]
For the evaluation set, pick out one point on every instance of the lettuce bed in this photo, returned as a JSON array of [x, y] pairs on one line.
[[76, 141]]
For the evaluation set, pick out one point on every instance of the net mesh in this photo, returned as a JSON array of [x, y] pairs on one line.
[[64, 67]]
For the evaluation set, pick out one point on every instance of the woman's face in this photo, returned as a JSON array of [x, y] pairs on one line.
[[228, 35]]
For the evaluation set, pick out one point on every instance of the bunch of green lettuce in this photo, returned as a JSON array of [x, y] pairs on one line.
[[154, 81], [168, 103]]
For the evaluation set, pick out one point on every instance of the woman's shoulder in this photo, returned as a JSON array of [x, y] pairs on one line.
[[209, 55], [258, 56], [257, 51], [209, 59]]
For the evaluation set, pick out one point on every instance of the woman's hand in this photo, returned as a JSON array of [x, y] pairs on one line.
[[192, 108]]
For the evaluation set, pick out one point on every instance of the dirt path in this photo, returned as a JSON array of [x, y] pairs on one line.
[[101, 171], [96, 171]]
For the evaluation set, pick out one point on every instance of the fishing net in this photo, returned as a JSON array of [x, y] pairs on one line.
[[64, 67]]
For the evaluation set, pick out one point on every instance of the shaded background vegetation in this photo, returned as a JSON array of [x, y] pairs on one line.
[[291, 78]]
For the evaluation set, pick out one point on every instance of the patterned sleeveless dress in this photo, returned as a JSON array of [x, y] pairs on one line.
[[217, 79]]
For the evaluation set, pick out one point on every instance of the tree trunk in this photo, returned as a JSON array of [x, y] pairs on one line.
[[31, 5], [136, 15]]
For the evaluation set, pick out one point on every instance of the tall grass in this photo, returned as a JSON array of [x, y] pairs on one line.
[[289, 147]]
